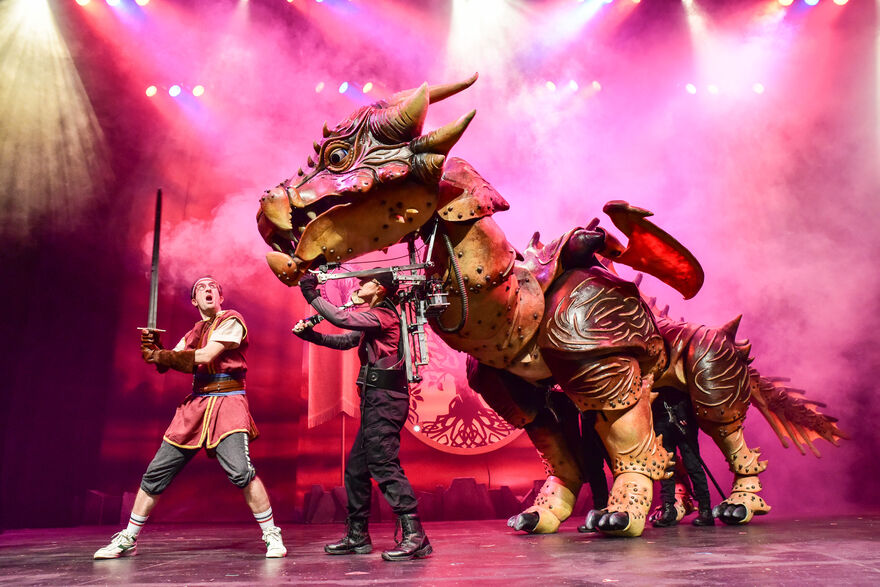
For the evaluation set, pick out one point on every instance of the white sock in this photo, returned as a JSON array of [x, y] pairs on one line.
[[135, 523], [265, 520]]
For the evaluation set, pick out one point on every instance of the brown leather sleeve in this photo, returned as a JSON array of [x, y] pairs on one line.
[[183, 361]]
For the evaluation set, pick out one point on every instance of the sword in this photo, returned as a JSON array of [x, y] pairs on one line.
[[154, 269]]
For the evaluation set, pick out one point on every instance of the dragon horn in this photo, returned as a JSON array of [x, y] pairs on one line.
[[444, 138], [403, 120], [438, 92], [731, 327]]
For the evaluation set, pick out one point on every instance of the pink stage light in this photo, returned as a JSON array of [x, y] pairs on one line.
[[174, 91], [550, 86], [573, 86], [840, 2], [82, 2], [758, 88], [113, 2], [343, 87], [367, 87], [786, 2], [151, 91], [811, 2], [142, 2], [713, 89], [319, 88], [198, 90], [691, 88]]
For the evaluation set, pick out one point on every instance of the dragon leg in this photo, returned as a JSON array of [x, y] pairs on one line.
[[524, 406], [719, 385], [614, 386], [743, 502]]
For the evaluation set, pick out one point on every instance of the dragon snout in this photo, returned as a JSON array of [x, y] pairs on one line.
[[275, 206]]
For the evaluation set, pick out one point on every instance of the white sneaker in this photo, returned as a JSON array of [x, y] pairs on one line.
[[274, 544], [122, 544]]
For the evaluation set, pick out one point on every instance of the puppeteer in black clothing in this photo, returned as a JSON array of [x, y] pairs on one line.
[[384, 395], [674, 418]]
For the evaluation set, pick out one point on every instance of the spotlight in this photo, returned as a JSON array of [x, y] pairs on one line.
[[840, 2], [691, 89], [343, 87], [811, 2], [786, 2], [551, 86], [113, 2], [573, 86], [713, 89], [198, 90], [367, 87], [319, 88], [174, 91], [82, 2], [758, 88], [596, 86], [142, 2], [151, 91]]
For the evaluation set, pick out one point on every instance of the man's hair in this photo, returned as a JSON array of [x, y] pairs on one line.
[[387, 281], [203, 278]]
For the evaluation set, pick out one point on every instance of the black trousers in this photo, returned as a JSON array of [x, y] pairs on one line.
[[375, 454], [687, 444]]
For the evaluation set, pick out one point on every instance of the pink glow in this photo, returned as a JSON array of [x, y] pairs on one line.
[[775, 194]]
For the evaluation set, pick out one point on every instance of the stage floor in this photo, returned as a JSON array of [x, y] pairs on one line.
[[769, 551]]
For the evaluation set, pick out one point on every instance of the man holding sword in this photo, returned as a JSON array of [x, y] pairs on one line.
[[214, 416]]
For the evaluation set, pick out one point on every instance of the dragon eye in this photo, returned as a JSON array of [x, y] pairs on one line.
[[337, 156]]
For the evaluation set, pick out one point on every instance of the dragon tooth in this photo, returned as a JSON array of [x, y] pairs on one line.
[[311, 214], [399, 219], [412, 211]]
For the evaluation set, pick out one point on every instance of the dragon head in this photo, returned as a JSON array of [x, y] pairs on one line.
[[373, 180]]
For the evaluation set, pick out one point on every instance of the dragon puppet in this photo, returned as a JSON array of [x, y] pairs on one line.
[[552, 317]]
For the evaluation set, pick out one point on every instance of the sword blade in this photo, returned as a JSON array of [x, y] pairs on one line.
[[154, 269]]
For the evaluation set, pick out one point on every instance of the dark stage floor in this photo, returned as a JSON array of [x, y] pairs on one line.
[[771, 551]]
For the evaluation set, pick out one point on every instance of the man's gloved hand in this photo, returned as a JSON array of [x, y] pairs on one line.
[[308, 285], [150, 339]]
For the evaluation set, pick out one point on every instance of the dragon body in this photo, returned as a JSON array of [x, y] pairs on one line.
[[550, 316]]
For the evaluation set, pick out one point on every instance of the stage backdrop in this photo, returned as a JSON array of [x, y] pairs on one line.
[[750, 130]]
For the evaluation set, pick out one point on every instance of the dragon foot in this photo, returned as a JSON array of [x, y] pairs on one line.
[[743, 503], [552, 506], [627, 507]]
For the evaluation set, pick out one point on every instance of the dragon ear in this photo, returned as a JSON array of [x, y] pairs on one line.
[[444, 138], [400, 122], [438, 92]]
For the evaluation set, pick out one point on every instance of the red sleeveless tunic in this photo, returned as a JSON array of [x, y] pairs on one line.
[[203, 420]]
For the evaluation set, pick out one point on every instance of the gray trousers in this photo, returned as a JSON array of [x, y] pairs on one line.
[[233, 453]]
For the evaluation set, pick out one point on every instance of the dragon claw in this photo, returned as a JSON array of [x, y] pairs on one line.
[[732, 514], [526, 521], [613, 522]]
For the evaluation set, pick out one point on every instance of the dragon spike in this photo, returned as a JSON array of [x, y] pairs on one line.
[[665, 312], [429, 166], [444, 138], [309, 162], [316, 146], [731, 327], [534, 241], [438, 92], [401, 122], [325, 131], [638, 279]]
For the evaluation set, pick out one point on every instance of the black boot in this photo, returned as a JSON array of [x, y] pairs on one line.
[[356, 540], [704, 517], [668, 516], [413, 542]]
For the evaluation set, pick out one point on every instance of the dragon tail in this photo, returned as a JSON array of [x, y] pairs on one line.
[[793, 417]]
